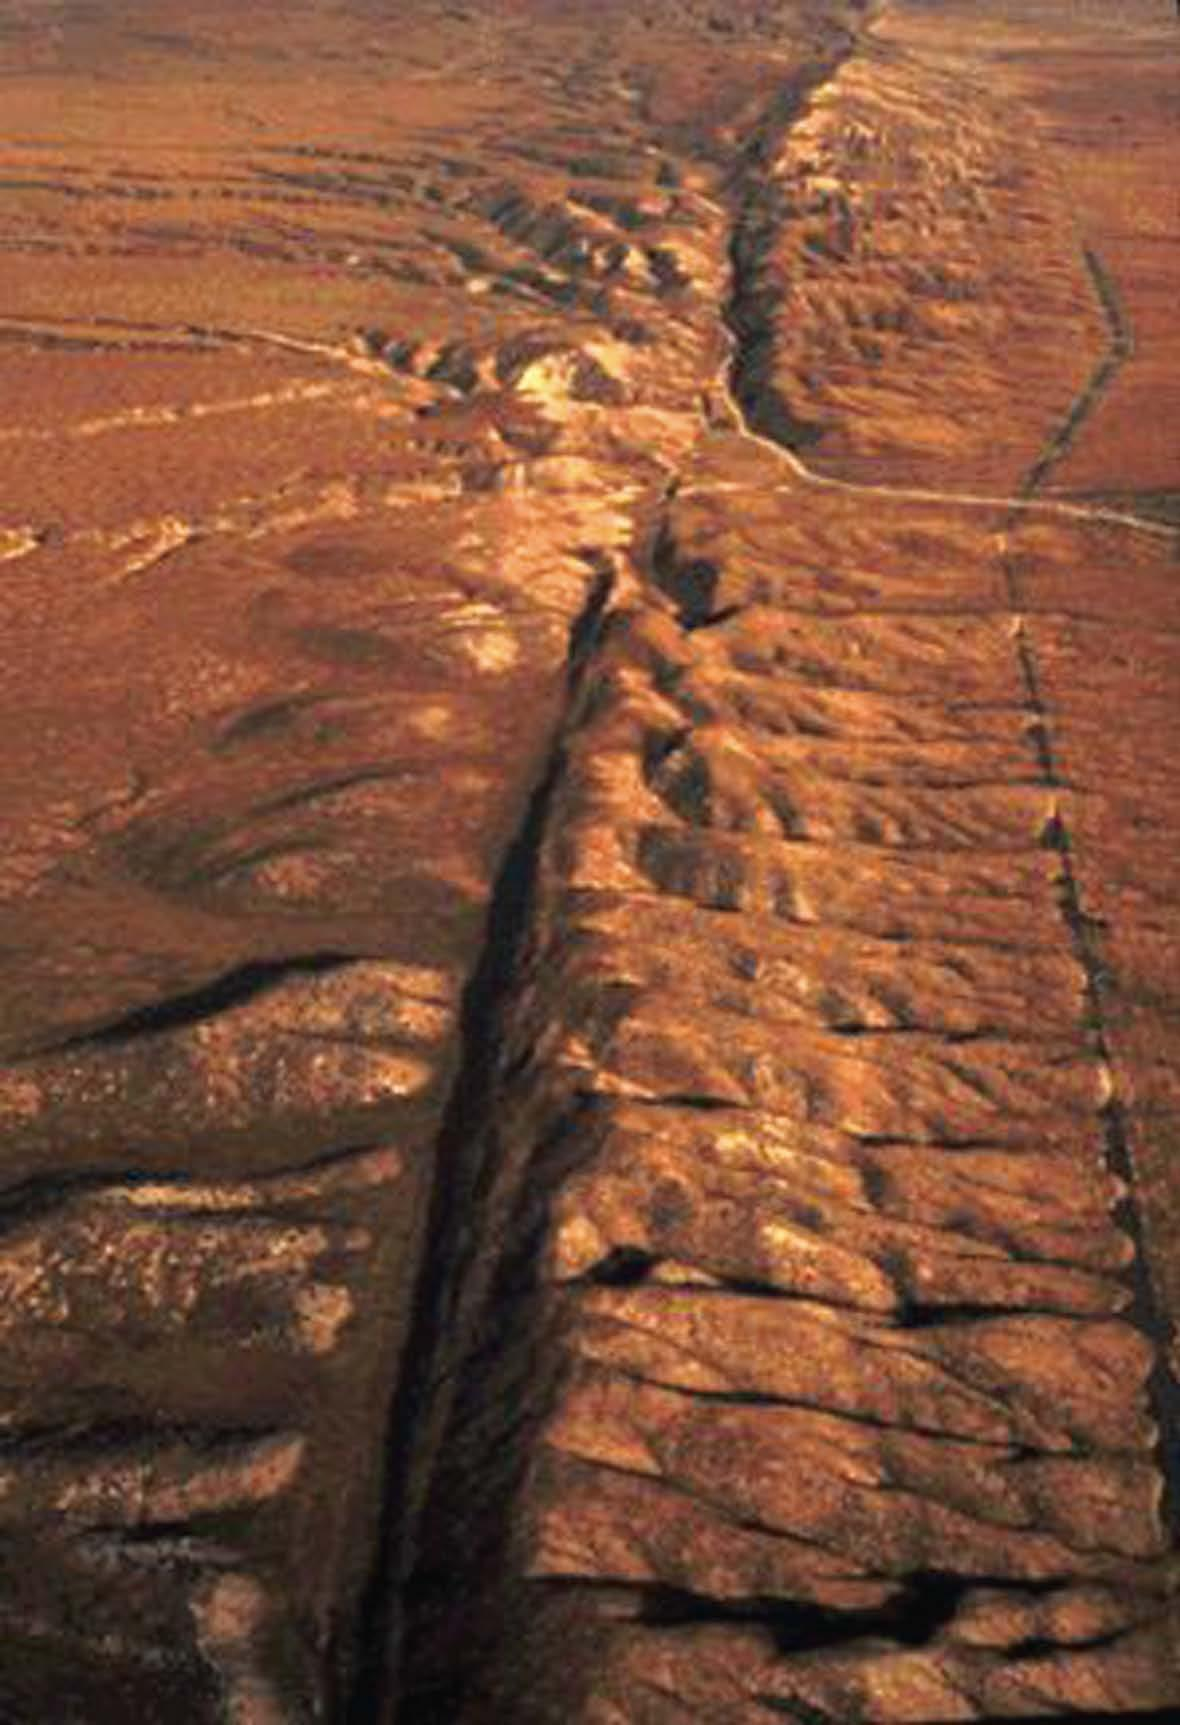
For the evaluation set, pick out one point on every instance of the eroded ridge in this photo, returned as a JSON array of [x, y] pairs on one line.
[[337, 413], [814, 1380], [811, 1340], [907, 251]]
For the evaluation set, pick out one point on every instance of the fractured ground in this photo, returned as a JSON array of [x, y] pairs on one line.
[[588, 1019]]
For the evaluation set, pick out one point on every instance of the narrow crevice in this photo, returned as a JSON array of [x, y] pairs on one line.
[[714, 619], [112, 1438], [694, 1101], [454, 1285], [1006, 1451], [1145, 1310], [690, 583], [623, 1267], [1120, 348], [235, 988], [928, 1314], [926, 1601], [759, 211], [466, 1157], [636, 1267], [1040, 1647]]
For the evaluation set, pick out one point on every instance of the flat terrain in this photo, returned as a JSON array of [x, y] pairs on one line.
[[590, 674]]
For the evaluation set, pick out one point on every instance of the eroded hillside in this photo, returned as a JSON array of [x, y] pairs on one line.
[[588, 889]]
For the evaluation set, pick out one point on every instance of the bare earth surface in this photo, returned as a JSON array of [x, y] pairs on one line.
[[590, 680]]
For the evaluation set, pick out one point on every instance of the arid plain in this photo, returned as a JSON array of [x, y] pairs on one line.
[[589, 861]]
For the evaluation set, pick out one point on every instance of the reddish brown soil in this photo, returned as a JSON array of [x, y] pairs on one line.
[[587, 881]]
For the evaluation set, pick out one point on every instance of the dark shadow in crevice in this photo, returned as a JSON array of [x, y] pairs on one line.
[[235, 988], [690, 582], [452, 1292], [925, 1603], [623, 1267]]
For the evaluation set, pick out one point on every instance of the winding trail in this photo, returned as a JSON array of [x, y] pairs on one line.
[[1014, 506]]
